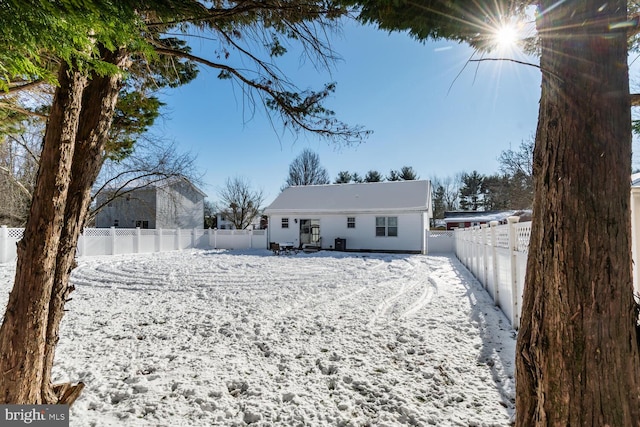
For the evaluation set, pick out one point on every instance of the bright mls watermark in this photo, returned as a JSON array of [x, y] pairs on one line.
[[34, 415]]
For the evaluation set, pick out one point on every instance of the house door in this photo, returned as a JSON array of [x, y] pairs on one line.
[[309, 231]]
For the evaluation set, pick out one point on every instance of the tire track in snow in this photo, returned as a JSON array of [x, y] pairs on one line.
[[425, 299], [408, 283]]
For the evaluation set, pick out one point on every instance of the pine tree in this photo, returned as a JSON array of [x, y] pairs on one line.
[[407, 174], [472, 191], [373, 176], [92, 46], [344, 177], [577, 355], [394, 175]]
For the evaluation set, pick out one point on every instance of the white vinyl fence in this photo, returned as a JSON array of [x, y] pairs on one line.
[[440, 241], [497, 257], [112, 241]]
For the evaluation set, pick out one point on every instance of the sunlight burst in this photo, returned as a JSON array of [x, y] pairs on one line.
[[506, 36]]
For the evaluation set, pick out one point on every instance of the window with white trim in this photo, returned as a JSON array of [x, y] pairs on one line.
[[285, 223], [386, 226], [351, 222]]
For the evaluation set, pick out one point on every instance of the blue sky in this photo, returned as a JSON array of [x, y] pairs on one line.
[[425, 108]]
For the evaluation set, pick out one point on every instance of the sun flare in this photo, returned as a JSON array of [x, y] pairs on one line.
[[506, 36]]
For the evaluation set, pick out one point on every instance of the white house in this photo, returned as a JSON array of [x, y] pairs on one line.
[[390, 216], [169, 203]]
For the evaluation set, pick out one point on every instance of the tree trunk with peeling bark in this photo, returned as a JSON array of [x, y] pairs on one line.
[[98, 105], [24, 327], [577, 352], [73, 153]]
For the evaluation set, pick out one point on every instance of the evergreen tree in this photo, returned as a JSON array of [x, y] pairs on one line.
[[394, 175], [373, 176], [472, 191], [86, 48], [577, 355], [497, 191], [439, 204], [407, 174], [344, 177]]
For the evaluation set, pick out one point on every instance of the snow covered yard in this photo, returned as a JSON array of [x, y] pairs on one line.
[[201, 338]]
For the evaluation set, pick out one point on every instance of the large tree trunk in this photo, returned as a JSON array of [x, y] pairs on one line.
[[98, 105], [577, 352], [23, 331]]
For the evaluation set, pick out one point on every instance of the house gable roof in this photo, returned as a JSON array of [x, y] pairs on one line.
[[360, 197], [150, 183]]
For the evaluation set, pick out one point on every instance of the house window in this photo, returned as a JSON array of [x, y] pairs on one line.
[[142, 224], [116, 223], [392, 226], [386, 226], [351, 222], [285, 222]]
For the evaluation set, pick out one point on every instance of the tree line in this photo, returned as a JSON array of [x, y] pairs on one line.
[[512, 188], [306, 169]]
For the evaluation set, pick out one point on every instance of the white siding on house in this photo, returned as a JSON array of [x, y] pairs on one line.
[[332, 205], [411, 235]]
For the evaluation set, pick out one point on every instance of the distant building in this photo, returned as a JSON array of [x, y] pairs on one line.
[[169, 203], [464, 219]]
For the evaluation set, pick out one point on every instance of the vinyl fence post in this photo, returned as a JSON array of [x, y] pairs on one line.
[[113, 240], [176, 240], [4, 242], [455, 243], [478, 252], [485, 260], [81, 243], [159, 240], [136, 241], [494, 257], [465, 253], [513, 260]]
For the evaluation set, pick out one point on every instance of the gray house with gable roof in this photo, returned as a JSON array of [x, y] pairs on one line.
[[390, 216], [168, 203]]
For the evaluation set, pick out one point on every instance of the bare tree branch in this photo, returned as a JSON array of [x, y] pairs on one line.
[[239, 204], [15, 108], [16, 87], [20, 185]]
